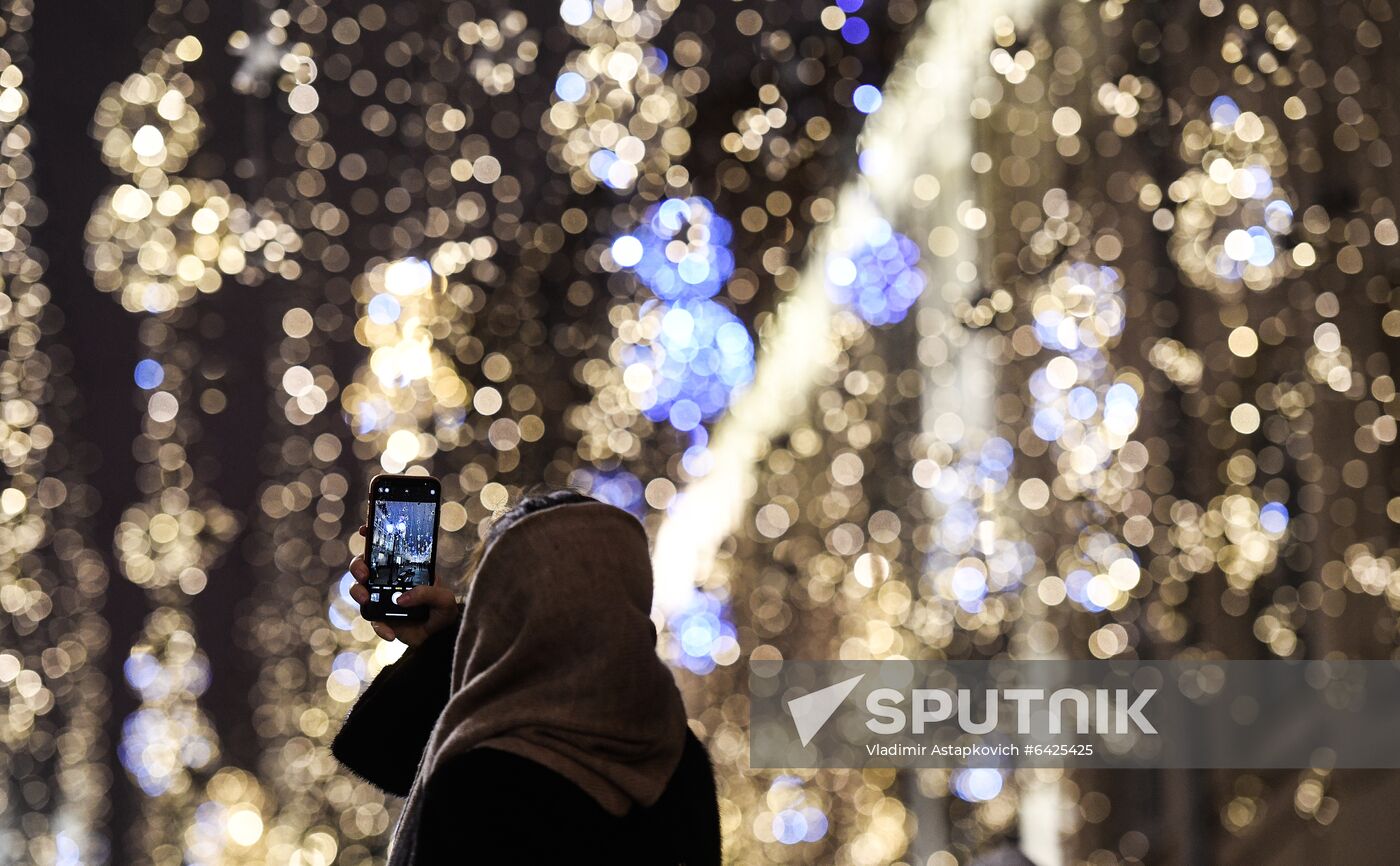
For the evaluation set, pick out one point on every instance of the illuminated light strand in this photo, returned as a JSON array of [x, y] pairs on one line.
[[649, 370], [158, 241], [304, 685], [1240, 533], [322, 812], [1087, 413], [407, 381], [709, 508], [301, 690], [678, 357], [924, 101], [1234, 212], [802, 341], [977, 549], [619, 76], [689, 354], [53, 697]]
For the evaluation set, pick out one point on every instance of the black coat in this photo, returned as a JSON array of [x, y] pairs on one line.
[[486, 806]]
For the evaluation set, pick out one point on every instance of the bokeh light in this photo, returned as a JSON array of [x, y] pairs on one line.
[[963, 329]]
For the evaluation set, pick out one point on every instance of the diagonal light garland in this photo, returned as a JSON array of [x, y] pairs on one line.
[[923, 128], [924, 125]]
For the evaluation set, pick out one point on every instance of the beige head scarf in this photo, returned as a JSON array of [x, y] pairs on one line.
[[556, 659]]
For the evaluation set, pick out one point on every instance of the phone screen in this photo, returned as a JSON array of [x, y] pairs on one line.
[[402, 540]]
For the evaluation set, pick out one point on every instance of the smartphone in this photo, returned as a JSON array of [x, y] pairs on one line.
[[402, 551]]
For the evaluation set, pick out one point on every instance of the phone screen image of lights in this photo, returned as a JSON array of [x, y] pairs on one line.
[[401, 554]]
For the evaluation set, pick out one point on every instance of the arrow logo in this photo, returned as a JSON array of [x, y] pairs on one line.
[[810, 712]]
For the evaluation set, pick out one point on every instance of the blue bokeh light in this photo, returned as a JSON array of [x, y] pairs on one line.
[[789, 826], [695, 268], [867, 98], [384, 309], [1083, 403], [347, 580], [700, 631], [571, 87], [799, 821], [1120, 407], [616, 487], [1048, 424], [869, 162], [969, 587], [978, 784], [701, 355], [1224, 111], [1262, 250], [67, 852], [1263, 182], [141, 670], [855, 31], [1278, 217], [1077, 588], [149, 374], [1273, 517], [685, 415], [600, 164], [702, 352], [340, 617], [995, 460], [696, 460], [1121, 396], [881, 280]]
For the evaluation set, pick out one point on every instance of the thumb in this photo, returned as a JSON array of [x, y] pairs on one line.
[[436, 596]]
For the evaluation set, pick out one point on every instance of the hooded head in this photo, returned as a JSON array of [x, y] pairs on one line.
[[556, 657]]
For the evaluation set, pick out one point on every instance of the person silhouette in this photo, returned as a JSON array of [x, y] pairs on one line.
[[534, 722]]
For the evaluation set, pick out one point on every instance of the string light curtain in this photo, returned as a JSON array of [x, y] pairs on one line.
[[53, 697], [909, 330]]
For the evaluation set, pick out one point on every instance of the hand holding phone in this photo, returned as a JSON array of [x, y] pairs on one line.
[[438, 600], [395, 578]]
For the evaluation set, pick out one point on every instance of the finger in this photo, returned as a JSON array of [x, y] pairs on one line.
[[412, 597], [430, 596], [384, 631], [359, 594], [359, 569], [364, 530]]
